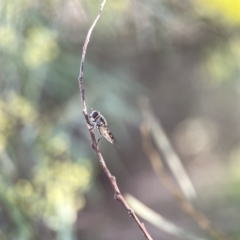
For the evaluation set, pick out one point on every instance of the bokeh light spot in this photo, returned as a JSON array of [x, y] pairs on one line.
[[195, 135]]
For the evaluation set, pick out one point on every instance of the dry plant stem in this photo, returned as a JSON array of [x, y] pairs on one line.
[[118, 196], [159, 221], [185, 205], [164, 145]]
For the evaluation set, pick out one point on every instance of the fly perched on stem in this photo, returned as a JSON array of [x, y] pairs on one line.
[[99, 122]]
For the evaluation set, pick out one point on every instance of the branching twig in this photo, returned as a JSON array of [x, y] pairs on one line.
[[118, 196], [159, 221], [165, 146], [186, 206]]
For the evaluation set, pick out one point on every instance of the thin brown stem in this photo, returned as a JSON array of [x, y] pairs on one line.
[[117, 194]]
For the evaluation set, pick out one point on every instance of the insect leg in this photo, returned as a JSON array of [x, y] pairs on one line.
[[94, 125], [97, 126], [99, 139]]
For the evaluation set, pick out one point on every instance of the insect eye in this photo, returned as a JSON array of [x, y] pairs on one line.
[[94, 114]]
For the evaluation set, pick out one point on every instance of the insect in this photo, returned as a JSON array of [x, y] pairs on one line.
[[100, 123]]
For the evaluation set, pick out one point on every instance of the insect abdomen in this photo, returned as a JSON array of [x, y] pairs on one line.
[[107, 134]]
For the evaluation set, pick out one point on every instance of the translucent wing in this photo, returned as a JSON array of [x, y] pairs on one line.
[[105, 132]]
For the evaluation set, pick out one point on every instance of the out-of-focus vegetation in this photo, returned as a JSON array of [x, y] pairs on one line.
[[184, 55]]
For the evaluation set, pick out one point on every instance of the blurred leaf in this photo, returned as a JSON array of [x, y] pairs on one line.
[[228, 10], [41, 47], [222, 62]]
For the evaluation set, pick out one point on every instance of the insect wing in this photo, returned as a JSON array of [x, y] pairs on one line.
[[106, 133]]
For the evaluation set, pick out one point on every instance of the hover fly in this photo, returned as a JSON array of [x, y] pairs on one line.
[[100, 123]]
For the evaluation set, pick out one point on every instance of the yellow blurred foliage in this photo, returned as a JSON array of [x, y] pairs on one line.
[[14, 9], [40, 47], [2, 142], [14, 109], [57, 145], [55, 193], [24, 188], [222, 62], [118, 5], [59, 183], [229, 10], [8, 38], [234, 46], [21, 108], [220, 66]]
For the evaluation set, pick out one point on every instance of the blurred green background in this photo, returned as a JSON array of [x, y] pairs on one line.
[[183, 55]]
